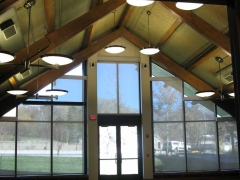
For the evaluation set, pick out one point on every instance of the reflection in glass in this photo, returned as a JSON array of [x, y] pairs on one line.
[[199, 110], [74, 88], [107, 88], [68, 113], [169, 147], [33, 148], [7, 148], [157, 71], [107, 138], [34, 112], [228, 145], [167, 100], [201, 136], [128, 88], [67, 148]]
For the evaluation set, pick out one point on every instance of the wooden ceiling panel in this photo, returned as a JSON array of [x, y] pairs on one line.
[[216, 15], [184, 44]]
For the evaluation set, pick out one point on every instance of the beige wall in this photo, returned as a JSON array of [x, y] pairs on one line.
[[131, 54]]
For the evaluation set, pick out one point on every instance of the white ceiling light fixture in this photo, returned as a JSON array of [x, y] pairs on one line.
[[205, 93], [232, 94], [188, 6], [57, 59], [150, 50], [54, 59], [139, 2], [6, 56], [114, 49]]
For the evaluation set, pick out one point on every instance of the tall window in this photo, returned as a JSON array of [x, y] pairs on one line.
[[47, 135], [189, 134], [118, 88]]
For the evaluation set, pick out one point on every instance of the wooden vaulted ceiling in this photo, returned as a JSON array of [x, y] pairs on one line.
[[87, 23]]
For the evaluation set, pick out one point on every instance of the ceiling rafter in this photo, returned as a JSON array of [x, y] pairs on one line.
[[61, 35], [204, 58], [50, 14], [6, 4], [49, 76], [176, 69], [169, 32], [170, 64], [89, 32], [126, 15], [201, 26]]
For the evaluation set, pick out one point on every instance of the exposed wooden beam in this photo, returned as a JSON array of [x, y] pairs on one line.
[[50, 14], [170, 64], [176, 69], [201, 26], [89, 32], [203, 59], [62, 34], [49, 76], [6, 4], [126, 15], [169, 32]]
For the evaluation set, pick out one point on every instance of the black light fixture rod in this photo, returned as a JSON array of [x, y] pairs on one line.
[[114, 25], [220, 60], [148, 13]]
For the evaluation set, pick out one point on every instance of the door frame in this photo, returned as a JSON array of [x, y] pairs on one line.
[[123, 120]]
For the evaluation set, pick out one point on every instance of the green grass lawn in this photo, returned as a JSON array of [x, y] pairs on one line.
[[40, 165]]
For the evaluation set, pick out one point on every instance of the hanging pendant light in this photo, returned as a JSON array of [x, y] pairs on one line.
[[6, 56], [59, 59], [188, 6], [17, 91], [232, 94], [149, 50], [205, 93], [139, 2], [114, 49], [56, 92]]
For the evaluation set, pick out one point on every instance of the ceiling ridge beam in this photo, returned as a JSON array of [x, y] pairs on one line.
[[51, 75], [208, 31], [63, 34]]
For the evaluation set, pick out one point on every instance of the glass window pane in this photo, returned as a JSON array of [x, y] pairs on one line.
[[189, 91], [7, 148], [107, 138], [199, 110], [201, 136], [108, 167], [11, 113], [167, 141], [34, 112], [157, 71], [222, 113], [107, 88], [128, 88], [68, 113], [68, 147], [33, 148], [129, 142], [129, 166], [228, 145], [74, 88], [76, 71], [167, 100], [42, 92]]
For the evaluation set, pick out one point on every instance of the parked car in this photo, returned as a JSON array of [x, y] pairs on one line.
[[181, 147], [171, 147]]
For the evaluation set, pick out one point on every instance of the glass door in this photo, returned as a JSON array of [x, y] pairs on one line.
[[119, 151]]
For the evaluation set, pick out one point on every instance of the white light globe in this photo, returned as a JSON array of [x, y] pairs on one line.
[[139, 2], [188, 6]]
